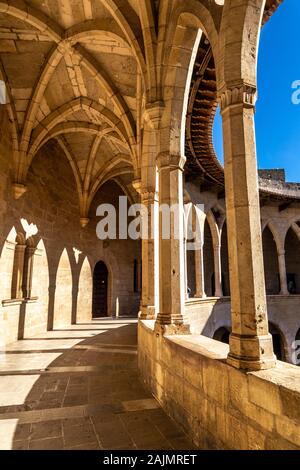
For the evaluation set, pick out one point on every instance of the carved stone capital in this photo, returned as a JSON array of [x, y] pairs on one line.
[[137, 185], [84, 221], [18, 190], [153, 113], [148, 195], [244, 94], [165, 160]]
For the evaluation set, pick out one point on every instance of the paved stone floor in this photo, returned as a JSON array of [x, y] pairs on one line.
[[78, 388]]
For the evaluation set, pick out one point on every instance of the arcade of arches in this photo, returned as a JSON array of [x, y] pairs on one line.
[[111, 98]]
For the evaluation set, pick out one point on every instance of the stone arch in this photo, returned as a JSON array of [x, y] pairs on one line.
[[182, 37], [222, 334], [279, 343], [7, 264], [63, 293], [270, 254], [238, 46], [208, 260], [292, 257], [85, 288], [225, 261], [36, 319], [101, 288]]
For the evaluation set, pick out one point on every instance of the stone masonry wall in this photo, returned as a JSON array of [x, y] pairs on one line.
[[220, 407], [66, 254]]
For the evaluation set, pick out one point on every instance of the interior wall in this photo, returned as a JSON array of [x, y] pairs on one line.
[[51, 203]]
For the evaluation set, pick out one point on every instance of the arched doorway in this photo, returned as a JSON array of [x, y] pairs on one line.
[[100, 290], [278, 344], [222, 334], [296, 358], [292, 256], [208, 261], [225, 262], [270, 262]]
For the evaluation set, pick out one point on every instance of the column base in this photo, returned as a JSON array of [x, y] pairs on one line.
[[147, 313], [251, 365], [251, 352], [167, 325]]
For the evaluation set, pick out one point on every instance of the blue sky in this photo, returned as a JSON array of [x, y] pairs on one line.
[[277, 120]]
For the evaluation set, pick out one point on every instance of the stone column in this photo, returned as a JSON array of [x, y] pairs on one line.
[[171, 318], [199, 273], [149, 263], [282, 273], [17, 277], [251, 344], [218, 271]]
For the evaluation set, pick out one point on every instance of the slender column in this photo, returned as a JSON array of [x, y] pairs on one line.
[[149, 264], [282, 273], [199, 273], [171, 247], [185, 269], [218, 271], [251, 345], [17, 277]]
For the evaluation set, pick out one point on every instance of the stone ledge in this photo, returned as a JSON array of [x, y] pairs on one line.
[[190, 377], [12, 302]]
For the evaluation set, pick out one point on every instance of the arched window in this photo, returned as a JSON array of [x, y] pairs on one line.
[[100, 290], [222, 334], [270, 263], [292, 257], [278, 342]]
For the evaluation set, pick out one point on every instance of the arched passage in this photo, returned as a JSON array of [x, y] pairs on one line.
[[225, 262], [100, 290], [292, 259], [63, 293], [222, 334], [278, 342], [270, 262], [208, 261], [84, 299]]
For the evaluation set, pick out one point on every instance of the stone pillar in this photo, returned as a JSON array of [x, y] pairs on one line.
[[185, 269], [199, 273], [28, 267], [17, 276], [251, 344], [282, 273], [218, 271], [171, 319], [149, 262]]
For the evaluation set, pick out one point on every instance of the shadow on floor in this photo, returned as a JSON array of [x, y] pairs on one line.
[[86, 395]]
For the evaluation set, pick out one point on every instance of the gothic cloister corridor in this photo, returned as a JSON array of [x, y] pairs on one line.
[[78, 388]]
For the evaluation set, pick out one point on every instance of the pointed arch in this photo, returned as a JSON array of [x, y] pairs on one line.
[[66, 110], [63, 292], [150, 42], [128, 25], [33, 17], [85, 292]]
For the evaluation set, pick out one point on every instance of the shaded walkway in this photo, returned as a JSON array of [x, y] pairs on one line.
[[78, 388]]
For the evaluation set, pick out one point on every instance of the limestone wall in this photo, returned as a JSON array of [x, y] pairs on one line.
[[218, 406], [66, 253]]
